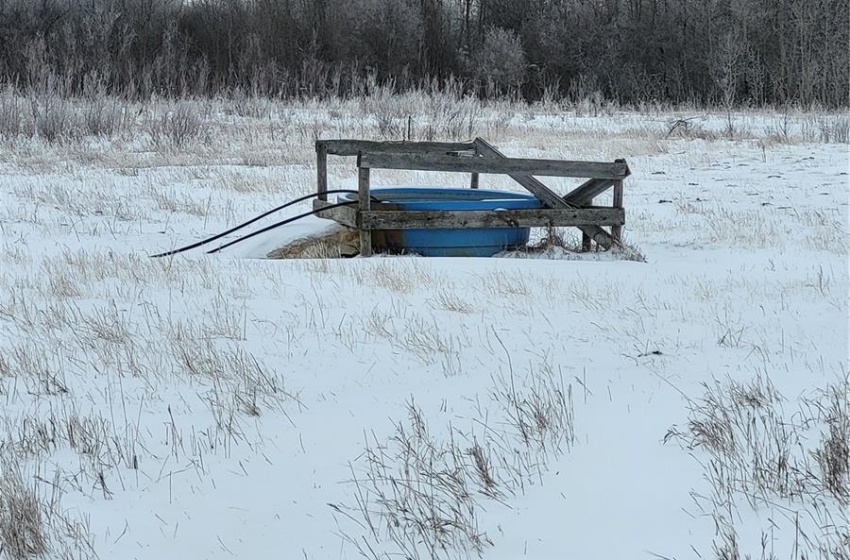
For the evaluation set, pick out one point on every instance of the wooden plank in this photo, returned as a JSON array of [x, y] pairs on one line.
[[364, 203], [354, 147], [345, 215], [548, 197], [617, 229], [322, 171], [506, 166], [583, 196], [543, 217], [538, 189], [587, 191]]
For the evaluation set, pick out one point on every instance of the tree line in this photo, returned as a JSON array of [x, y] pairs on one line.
[[704, 52]]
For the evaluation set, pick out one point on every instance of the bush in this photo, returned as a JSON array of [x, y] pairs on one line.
[[11, 118], [501, 62], [177, 126]]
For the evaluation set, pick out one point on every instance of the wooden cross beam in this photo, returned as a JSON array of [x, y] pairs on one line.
[[575, 199]]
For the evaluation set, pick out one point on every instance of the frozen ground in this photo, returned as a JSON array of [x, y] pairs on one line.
[[218, 406]]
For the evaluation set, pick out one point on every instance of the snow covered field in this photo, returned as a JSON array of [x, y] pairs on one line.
[[690, 406]]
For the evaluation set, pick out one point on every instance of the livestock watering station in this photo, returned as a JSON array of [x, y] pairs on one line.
[[467, 221], [454, 222]]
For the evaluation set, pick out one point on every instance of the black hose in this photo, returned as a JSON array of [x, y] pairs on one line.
[[283, 223], [251, 221]]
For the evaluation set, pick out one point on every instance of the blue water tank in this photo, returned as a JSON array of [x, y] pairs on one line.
[[453, 242]]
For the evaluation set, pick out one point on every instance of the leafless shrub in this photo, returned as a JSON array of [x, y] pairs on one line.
[[688, 128], [501, 63], [103, 116], [834, 129], [251, 105], [826, 129], [11, 114], [176, 127], [54, 118], [389, 110], [450, 116]]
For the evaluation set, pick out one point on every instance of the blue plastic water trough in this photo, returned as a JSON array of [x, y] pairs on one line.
[[456, 242]]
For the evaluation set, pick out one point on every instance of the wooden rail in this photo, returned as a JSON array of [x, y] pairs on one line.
[[478, 157], [355, 147], [324, 148], [502, 166], [377, 218], [533, 217]]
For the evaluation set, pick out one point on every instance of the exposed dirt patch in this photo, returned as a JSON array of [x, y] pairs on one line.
[[341, 242]]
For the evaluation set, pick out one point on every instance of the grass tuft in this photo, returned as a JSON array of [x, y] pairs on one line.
[[22, 530]]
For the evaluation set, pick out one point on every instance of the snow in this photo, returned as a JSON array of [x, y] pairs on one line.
[[745, 275]]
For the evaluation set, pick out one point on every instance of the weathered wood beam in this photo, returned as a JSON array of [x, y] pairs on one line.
[[538, 189], [543, 217], [549, 198], [354, 147], [587, 191], [364, 204], [345, 215], [506, 166], [322, 171], [617, 229]]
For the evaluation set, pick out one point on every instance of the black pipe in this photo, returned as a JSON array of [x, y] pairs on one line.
[[283, 223], [260, 217]]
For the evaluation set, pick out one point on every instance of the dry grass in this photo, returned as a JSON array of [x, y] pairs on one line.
[[833, 453], [449, 300], [419, 494], [22, 524], [339, 243], [188, 360], [761, 455]]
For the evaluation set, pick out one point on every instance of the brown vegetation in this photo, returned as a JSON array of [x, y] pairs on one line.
[[720, 52]]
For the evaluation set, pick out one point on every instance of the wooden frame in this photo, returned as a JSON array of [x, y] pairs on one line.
[[575, 209]]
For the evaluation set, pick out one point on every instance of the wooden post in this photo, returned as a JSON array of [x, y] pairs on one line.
[[617, 231], [322, 170], [542, 192], [585, 236], [364, 204], [473, 181]]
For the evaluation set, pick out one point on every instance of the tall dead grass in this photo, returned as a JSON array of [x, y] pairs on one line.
[[762, 456]]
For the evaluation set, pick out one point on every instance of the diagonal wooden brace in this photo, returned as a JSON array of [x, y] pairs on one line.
[[587, 191], [551, 199]]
